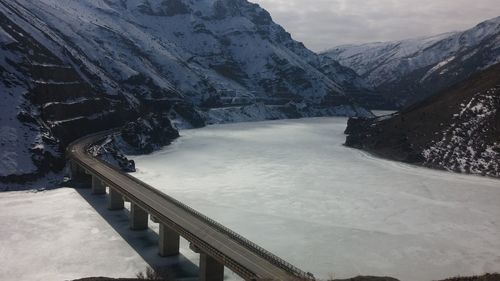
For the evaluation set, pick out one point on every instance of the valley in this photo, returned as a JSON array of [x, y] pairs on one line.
[[127, 126]]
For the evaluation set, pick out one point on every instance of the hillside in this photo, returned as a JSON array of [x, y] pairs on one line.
[[70, 68], [217, 54], [457, 129], [410, 70]]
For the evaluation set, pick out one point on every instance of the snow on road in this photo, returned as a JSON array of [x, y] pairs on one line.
[[294, 189]]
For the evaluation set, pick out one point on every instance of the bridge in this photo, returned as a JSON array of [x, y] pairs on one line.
[[217, 245]]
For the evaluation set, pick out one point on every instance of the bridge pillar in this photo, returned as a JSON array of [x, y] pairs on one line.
[[98, 186], [115, 200], [73, 170], [210, 269], [77, 173], [138, 217], [168, 241]]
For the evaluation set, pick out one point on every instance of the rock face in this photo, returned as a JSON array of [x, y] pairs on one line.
[[147, 134], [409, 71], [45, 105], [109, 151], [70, 68], [457, 129], [48, 101], [144, 135]]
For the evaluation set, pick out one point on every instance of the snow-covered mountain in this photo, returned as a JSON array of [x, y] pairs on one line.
[[45, 105], [457, 129], [213, 52], [74, 67], [410, 70]]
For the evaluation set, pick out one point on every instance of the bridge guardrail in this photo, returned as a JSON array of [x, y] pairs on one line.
[[274, 259]]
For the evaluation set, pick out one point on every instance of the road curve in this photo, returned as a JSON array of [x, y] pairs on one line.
[[245, 258]]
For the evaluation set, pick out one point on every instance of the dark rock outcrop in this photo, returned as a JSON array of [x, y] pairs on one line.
[[486, 277], [368, 278], [148, 133], [108, 151]]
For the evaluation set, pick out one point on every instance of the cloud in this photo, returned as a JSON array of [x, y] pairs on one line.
[[322, 24]]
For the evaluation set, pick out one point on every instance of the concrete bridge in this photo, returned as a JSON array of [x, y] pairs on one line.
[[217, 245]]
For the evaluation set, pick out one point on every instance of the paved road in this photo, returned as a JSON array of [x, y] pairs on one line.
[[237, 253]]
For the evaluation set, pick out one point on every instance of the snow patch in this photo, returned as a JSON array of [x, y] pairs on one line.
[[436, 67], [463, 146], [5, 38]]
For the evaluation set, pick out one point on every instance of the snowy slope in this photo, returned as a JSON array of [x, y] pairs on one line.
[[227, 50], [467, 145], [45, 105], [457, 129], [382, 61], [26, 142], [410, 70], [156, 64]]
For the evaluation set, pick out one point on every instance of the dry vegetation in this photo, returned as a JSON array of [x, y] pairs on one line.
[[152, 274], [486, 277]]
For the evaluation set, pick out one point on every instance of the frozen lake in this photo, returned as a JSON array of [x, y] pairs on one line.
[[294, 189]]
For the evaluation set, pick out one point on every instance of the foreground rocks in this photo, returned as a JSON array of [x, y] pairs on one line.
[[142, 136], [368, 278], [486, 277]]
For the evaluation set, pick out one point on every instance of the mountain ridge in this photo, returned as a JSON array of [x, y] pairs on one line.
[[410, 70]]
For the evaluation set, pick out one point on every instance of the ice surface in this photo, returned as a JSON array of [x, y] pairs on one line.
[[294, 189], [58, 235]]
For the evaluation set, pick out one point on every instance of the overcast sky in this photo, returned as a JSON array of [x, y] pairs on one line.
[[322, 24]]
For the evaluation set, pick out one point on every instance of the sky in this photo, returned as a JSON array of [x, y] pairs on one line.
[[323, 24]]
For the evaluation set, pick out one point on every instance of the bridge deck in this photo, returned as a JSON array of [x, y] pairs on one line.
[[238, 254]]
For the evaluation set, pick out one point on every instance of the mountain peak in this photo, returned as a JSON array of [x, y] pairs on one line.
[[409, 70]]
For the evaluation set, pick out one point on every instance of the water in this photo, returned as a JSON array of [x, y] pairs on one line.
[[293, 188]]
